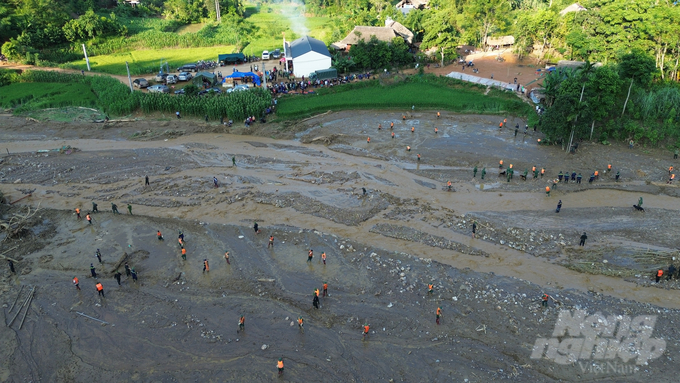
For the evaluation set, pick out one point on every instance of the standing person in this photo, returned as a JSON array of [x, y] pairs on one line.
[[271, 241], [100, 289], [659, 274], [675, 154], [547, 191], [159, 235], [323, 257], [279, 365], [448, 185], [177, 114], [430, 288], [184, 254], [418, 156], [114, 208], [392, 134], [301, 324], [11, 266], [544, 300], [134, 274], [474, 172], [640, 202], [98, 254], [630, 144], [439, 314], [89, 218], [325, 289], [146, 181], [76, 282], [578, 178], [127, 269], [117, 275], [500, 164], [366, 328], [310, 255], [583, 239], [241, 323], [315, 301], [94, 208], [215, 181], [256, 228], [618, 174], [78, 213], [474, 229], [93, 271], [233, 161], [483, 172], [206, 267], [559, 207], [226, 256], [542, 172]]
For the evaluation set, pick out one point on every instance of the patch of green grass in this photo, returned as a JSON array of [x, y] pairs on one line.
[[148, 61], [31, 96], [190, 28], [427, 92]]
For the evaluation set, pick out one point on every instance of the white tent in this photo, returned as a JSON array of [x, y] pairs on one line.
[[308, 55]]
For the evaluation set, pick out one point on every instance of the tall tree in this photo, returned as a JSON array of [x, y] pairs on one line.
[[486, 17]]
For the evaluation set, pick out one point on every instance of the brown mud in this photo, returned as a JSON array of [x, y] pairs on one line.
[[177, 323]]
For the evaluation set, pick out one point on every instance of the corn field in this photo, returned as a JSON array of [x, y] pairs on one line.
[[235, 106]]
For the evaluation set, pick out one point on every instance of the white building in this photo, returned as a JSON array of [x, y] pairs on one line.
[[307, 55]]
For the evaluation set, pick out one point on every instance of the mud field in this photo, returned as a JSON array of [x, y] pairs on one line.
[[304, 184]]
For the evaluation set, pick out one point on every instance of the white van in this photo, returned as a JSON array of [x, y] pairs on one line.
[[265, 55]]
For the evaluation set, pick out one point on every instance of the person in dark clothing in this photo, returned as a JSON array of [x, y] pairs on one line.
[[591, 179], [256, 227], [559, 207], [99, 255], [573, 176], [315, 302], [583, 239], [117, 275], [11, 266], [618, 174], [578, 178], [146, 180], [364, 190], [134, 274], [114, 208], [94, 208], [127, 269], [474, 229], [671, 272], [93, 271]]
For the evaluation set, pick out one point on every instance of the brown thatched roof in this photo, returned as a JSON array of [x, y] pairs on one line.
[[364, 33], [501, 40], [400, 30], [576, 7]]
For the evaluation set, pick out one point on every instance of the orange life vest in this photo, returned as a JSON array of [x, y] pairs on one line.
[[596, 173], [545, 297], [280, 364], [366, 329], [159, 233], [87, 217], [242, 320], [77, 211], [323, 256], [205, 263], [500, 162], [413, 129], [547, 188], [533, 169], [510, 166], [439, 311], [184, 251], [430, 287], [659, 273], [542, 171], [368, 139], [316, 292], [100, 287], [325, 286], [75, 281], [609, 166]]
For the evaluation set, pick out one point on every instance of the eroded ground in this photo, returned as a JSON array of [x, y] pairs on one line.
[[178, 323]]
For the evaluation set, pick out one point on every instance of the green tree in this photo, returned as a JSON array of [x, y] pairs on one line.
[[486, 17], [441, 31]]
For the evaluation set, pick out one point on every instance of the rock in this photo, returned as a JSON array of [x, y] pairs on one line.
[[390, 305], [264, 347], [292, 323]]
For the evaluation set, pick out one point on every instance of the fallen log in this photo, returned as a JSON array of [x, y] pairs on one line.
[[28, 307]]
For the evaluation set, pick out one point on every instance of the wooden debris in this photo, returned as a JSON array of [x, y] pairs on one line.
[[87, 316], [28, 307], [17, 298]]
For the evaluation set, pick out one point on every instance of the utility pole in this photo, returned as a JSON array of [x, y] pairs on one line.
[[217, 10], [87, 60], [129, 78], [264, 76]]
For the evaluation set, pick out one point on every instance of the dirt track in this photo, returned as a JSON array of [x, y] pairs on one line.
[[310, 196]]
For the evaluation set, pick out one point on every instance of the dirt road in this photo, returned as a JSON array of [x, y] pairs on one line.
[[384, 246]]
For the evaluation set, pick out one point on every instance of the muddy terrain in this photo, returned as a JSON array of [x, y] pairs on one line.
[[385, 221]]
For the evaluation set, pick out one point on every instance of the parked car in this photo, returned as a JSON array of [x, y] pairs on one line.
[[210, 90], [188, 68], [184, 76], [180, 91], [276, 54], [160, 77], [265, 55], [140, 83], [238, 88], [158, 89], [171, 79]]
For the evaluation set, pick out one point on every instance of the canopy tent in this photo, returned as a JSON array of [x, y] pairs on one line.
[[256, 78]]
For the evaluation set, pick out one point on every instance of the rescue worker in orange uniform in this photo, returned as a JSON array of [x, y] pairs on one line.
[[159, 235], [325, 289], [436, 130], [226, 256], [279, 365], [545, 300], [547, 191], [368, 140], [271, 241], [659, 274], [100, 289], [448, 185], [78, 213], [413, 129], [392, 134], [391, 125], [430, 288], [323, 257], [438, 115], [184, 254], [500, 164], [366, 328], [439, 314], [206, 267], [89, 219], [76, 282], [408, 148], [242, 323]]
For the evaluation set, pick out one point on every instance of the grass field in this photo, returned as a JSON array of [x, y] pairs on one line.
[[148, 61], [31, 96], [428, 92]]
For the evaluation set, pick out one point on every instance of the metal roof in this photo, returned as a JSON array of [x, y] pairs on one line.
[[307, 44]]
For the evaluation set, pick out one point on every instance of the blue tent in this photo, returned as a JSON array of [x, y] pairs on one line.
[[256, 78]]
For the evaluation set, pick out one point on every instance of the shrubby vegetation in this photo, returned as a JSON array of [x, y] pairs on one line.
[[115, 98]]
